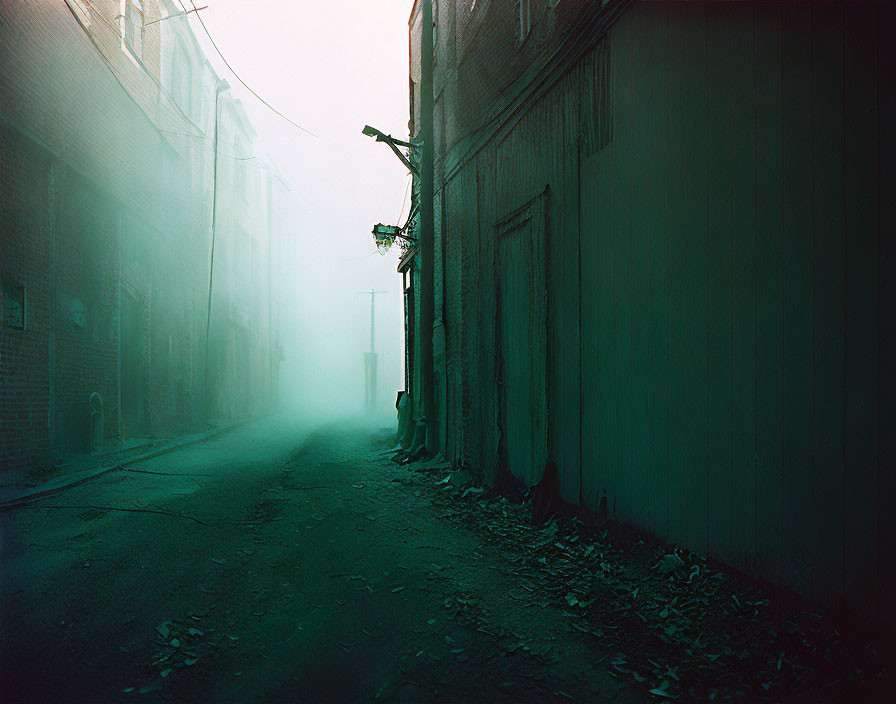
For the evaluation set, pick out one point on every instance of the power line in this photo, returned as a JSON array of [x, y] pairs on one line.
[[115, 74], [194, 136], [109, 23], [237, 76], [207, 138], [176, 14], [118, 78], [330, 214], [404, 198]]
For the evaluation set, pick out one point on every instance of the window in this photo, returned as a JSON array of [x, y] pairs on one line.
[[13, 304], [525, 19], [131, 27]]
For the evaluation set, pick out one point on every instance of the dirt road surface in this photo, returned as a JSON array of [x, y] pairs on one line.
[[275, 564]]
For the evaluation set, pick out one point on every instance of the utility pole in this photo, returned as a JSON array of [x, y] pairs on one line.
[[370, 358], [220, 88], [427, 228]]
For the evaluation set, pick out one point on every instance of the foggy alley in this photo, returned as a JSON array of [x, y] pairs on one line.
[[277, 569], [281, 563], [447, 351]]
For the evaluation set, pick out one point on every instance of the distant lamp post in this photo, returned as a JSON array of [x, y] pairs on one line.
[[385, 235], [393, 145], [370, 358]]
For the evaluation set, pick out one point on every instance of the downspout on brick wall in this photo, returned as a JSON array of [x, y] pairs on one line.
[[427, 231]]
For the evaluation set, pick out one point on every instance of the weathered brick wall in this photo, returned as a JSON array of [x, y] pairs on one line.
[[104, 26], [482, 59], [100, 123], [105, 119], [86, 324], [26, 256]]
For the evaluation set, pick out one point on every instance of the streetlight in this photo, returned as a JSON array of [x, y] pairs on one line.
[[393, 145], [385, 235], [370, 358]]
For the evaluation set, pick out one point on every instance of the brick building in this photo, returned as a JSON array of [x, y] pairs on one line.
[[107, 117], [660, 258]]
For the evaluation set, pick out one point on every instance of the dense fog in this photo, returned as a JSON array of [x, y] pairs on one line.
[[187, 221], [632, 419], [340, 182]]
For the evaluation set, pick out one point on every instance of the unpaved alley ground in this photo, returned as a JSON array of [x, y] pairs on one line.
[[276, 570], [271, 564]]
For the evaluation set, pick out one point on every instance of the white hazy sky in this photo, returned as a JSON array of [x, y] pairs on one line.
[[332, 66]]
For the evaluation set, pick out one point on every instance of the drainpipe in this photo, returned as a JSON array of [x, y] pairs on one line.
[[427, 229], [220, 88], [272, 391]]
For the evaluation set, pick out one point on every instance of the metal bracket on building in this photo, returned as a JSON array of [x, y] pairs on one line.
[[393, 145]]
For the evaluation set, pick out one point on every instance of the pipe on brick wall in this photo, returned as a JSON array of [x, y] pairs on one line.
[[427, 231]]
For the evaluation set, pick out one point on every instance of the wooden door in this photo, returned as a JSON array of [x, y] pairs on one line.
[[521, 337]]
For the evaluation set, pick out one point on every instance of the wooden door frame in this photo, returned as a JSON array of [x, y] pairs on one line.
[[534, 211]]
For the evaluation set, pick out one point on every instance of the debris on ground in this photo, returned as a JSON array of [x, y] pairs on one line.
[[178, 645], [460, 477], [671, 622], [670, 563]]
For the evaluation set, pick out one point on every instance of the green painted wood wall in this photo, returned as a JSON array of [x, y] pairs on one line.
[[720, 286], [733, 264]]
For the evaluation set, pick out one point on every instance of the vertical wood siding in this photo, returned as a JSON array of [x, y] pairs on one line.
[[730, 246], [719, 285], [885, 410]]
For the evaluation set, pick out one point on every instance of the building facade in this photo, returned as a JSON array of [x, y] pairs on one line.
[[662, 259], [108, 115]]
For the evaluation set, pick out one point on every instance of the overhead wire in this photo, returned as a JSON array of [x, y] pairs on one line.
[[105, 59], [118, 78], [310, 200], [121, 82], [404, 198], [194, 136], [237, 76], [210, 139], [162, 90]]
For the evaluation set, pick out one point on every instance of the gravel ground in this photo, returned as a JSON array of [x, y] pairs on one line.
[[267, 565], [275, 564]]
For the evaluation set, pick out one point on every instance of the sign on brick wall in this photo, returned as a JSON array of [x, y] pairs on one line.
[[13, 304]]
